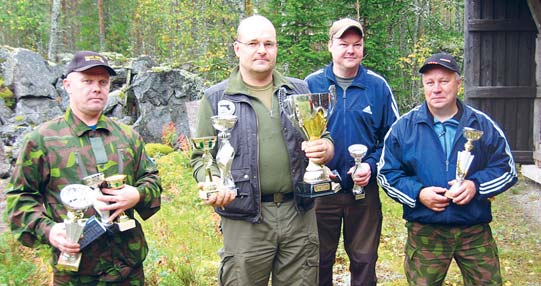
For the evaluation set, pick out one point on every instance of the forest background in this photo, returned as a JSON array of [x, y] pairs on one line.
[[198, 35]]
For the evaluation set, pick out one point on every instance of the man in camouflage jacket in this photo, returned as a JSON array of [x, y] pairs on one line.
[[63, 151]]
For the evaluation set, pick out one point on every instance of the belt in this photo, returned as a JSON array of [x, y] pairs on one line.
[[277, 197]]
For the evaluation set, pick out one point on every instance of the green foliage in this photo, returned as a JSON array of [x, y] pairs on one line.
[[20, 265], [25, 23], [7, 95], [155, 150]]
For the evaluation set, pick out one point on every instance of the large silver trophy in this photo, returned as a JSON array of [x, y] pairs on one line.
[[464, 158], [77, 199], [309, 113], [205, 144], [226, 152], [357, 151]]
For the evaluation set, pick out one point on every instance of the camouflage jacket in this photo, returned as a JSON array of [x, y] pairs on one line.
[[59, 153]]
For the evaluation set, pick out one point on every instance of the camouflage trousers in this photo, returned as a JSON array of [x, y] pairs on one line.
[[430, 249]]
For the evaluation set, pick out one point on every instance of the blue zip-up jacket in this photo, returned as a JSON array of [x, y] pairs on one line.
[[413, 158], [363, 114]]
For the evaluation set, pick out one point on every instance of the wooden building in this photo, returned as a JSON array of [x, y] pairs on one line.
[[500, 72]]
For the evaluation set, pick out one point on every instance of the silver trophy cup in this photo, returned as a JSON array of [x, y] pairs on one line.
[[464, 158], [205, 144], [226, 152], [77, 199], [357, 151]]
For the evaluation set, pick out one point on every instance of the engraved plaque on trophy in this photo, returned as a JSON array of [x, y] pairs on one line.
[[464, 158], [309, 114], [357, 151], [205, 144], [76, 198], [224, 157]]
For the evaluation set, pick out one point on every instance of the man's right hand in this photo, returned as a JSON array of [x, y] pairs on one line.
[[57, 238], [434, 198], [221, 198]]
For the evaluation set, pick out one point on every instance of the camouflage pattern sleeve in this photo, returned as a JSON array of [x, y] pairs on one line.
[[25, 209]]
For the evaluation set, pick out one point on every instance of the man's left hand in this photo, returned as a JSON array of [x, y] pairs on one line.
[[119, 200], [319, 151], [464, 194]]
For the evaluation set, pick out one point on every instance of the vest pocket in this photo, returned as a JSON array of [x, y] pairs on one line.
[[245, 202]]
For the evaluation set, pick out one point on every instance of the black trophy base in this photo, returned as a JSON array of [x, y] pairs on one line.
[[92, 231], [315, 190]]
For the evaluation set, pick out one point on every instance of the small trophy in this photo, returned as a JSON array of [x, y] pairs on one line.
[[224, 157], [205, 144], [77, 198], [464, 158], [309, 113], [357, 151], [117, 182], [95, 181]]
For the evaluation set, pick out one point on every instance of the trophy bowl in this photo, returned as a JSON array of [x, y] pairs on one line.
[[357, 151], [308, 113], [205, 144], [224, 158], [116, 181]]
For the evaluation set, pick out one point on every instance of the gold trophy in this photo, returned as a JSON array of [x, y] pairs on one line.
[[77, 198], [117, 182], [224, 157], [205, 144], [309, 113], [357, 151], [464, 158]]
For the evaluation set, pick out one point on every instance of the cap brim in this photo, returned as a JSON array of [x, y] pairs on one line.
[[426, 67], [108, 68], [341, 32]]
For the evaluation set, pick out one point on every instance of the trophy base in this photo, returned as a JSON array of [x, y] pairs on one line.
[[205, 195], [92, 231], [359, 196], [69, 263], [125, 224], [315, 190]]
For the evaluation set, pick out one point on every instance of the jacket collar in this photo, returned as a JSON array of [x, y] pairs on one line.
[[235, 85], [358, 81], [424, 116], [79, 127]]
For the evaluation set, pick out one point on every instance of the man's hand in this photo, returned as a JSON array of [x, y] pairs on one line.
[[221, 198], [119, 200], [362, 176], [319, 151], [463, 194], [433, 198], [57, 238]]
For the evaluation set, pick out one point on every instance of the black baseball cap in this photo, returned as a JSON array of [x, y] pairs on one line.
[[440, 59], [84, 60]]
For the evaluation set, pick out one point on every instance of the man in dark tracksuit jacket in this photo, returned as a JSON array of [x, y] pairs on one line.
[[364, 112], [266, 230], [417, 166]]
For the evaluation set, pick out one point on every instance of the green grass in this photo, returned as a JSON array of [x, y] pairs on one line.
[[184, 240]]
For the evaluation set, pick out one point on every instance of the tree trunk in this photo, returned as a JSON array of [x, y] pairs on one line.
[[53, 37], [102, 25]]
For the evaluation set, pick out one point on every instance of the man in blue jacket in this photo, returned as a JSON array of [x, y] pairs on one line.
[[364, 112], [418, 166]]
